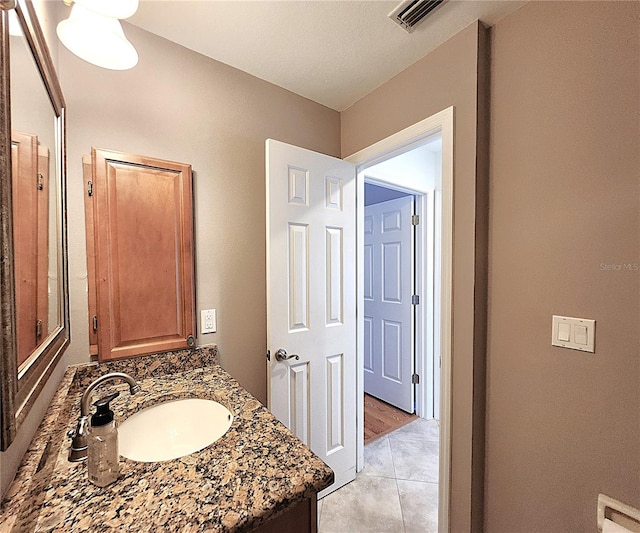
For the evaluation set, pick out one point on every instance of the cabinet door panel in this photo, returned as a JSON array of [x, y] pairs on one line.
[[143, 226], [30, 189]]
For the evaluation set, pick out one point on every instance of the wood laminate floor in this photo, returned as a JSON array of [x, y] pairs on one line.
[[380, 418]]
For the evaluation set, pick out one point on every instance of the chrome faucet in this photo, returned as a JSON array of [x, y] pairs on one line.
[[78, 450]]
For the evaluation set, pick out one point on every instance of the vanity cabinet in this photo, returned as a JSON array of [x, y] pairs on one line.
[[139, 221], [301, 518], [257, 477]]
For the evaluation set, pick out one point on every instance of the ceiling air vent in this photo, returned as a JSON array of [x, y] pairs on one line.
[[410, 12]]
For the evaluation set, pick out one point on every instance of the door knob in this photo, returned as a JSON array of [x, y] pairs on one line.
[[281, 355]]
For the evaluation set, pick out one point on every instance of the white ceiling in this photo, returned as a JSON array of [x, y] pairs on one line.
[[333, 52]]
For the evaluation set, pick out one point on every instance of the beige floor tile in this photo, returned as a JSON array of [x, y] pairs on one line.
[[396, 492], [367, 505], [418, 429], [419, 502], [378, 460], [415, 460]]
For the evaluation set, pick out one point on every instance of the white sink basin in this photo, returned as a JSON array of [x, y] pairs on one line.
[[172, 429]]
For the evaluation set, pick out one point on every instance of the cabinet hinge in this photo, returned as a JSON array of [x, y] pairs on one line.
[[38, 329], [40, 182], [415, 379], [90, 188], [95, 323], [415, 220], [415, 299], [268, 355]]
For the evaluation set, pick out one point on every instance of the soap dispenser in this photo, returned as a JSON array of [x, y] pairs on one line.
[[102, 454]]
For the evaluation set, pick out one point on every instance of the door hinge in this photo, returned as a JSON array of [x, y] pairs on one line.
[[95, 323], [40, 182], [38, 329], [415, 379], [90, 188], [415, 220], [415, 299]]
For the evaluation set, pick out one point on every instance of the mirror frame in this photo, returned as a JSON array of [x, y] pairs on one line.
[[19, 388]]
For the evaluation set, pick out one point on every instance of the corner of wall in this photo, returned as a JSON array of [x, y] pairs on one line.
[[481, 277]]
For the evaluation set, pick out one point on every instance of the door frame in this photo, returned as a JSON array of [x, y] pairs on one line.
[[443, 123]]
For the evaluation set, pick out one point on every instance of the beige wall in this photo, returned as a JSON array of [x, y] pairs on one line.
[[447, 77], [179, 105], [565, 165]]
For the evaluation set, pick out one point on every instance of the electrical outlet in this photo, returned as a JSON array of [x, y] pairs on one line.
[[208, 321]]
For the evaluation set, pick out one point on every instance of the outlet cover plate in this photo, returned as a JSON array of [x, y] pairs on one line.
[[574, 333], [208, 321]]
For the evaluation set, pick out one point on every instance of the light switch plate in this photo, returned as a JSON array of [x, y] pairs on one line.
[[574, 333], [208, 321]]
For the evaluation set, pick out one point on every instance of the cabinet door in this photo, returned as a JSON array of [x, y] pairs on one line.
[[143, 244], [30, 188]]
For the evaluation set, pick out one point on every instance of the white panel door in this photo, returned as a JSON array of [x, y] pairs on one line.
[[311, 301], [388, 320]]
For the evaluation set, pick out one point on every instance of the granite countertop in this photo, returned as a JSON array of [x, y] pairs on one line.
[[256, 471]]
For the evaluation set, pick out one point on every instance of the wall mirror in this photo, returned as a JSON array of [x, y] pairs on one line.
[[33, 271]]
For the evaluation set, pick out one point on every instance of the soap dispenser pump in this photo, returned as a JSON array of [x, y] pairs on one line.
[[103, 459]]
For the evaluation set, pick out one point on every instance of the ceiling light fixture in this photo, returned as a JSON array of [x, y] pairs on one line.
[[117, 9], [94, 33]]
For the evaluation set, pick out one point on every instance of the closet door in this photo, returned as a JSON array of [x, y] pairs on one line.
[[142, 220]]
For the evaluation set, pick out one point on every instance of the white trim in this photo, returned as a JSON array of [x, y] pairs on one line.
[[425, 402], [404, 140]]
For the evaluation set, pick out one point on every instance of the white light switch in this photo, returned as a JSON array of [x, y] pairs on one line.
[[208, 321], [574, 333], [564, 332], [580, 335]]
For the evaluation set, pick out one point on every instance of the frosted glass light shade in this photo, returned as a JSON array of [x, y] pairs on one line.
[[14, 24], [118, 9], [97, 39]]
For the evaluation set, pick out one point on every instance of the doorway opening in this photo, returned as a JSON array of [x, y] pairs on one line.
[[401, 299], [434, 281]]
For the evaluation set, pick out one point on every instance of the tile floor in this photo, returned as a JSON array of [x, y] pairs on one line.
[[397, 490]]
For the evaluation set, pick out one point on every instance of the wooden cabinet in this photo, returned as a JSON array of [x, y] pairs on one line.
[[30, 189], [301, 518], [140, 258]]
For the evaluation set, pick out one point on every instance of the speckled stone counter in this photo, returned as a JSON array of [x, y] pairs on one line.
[[256, 471]]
